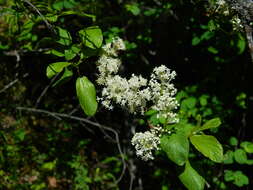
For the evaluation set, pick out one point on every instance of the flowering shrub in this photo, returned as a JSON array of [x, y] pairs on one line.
[[136, 94], [139, 95]]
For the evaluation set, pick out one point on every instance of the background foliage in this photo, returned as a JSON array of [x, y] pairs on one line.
[[49, 150]]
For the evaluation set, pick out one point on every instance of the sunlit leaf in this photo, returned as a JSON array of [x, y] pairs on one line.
[[240, 156], [86, 94], [92, 37], [55, 68], [213, 123], [176, 147], [191, 179], [209, 146], [247, 146], [64, 37]]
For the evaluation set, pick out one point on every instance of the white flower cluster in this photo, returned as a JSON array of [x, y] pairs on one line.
[[145, 143], [225, 8], [236, 23], [222, 7], [137, 91], [163, 93], [136, 94], [126, 93]]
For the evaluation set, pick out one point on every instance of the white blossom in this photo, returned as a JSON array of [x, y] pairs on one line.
[[236, 23], [163, 92], [221, 2], [126, 93], [112, 49], [145, 143], [118, 44], [107, 66], [136, 93], [222, 7]]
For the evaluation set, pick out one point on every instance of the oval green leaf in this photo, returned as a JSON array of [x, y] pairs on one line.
[[191, 179], [92, 37], [176, 147], [213, 123], [86, 94], [228, 157], [55, 68], [240, 156], [209, 146], [247, 146]]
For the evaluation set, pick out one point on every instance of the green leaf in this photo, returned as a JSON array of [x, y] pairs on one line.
[[65, 77], [20, 134], [49, 165], [184, 128], [55, 52], [247, 146], [65, 37], [55, 68], [233, 141], [203, 100], [176, 147], [134, 9], [180, 95], [191, 179], [67, 4], [213, 123], [209, 146], [86, 94], [3, 47], [211, 25], [241, 44], [51, 17], [207, 35], [228, 157], [72, 52], [195, 41], [212, 50], [237, 177], [240, 179], [154, 119], [150, 112], [71, 12], [150, 12], [240, 156], [92, 37], [249, 162], [188, 103], [58, 5]]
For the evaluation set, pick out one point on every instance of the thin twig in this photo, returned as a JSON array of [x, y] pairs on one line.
[[87, 128], [119, 148], [106, 134], [6, 87], [13, 53], [140, 183], [131, 169], [74, 110], [9, 85], [18, 59], [45, 90], [62, 115]]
